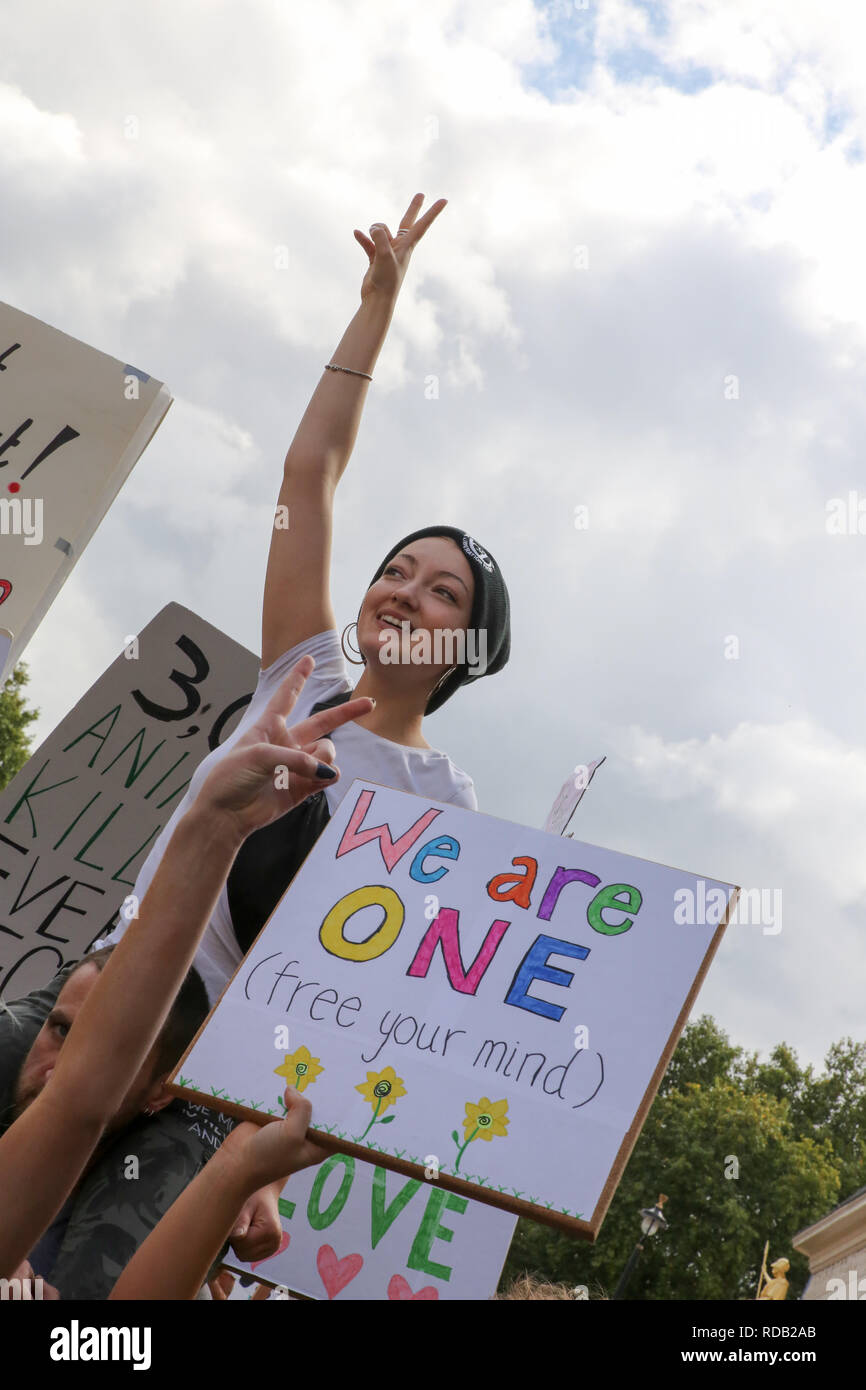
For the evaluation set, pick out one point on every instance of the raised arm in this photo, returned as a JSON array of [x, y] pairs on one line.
[[173, 1261], [121, 1017], [297, 602]]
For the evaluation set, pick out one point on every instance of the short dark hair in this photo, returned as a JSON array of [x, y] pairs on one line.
[[187, 1013]]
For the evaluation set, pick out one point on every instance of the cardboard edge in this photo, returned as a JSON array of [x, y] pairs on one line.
[[579, 1228], [634, 1130], [515, 1205]]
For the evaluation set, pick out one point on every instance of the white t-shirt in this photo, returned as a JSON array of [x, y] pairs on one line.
[[360, 753]]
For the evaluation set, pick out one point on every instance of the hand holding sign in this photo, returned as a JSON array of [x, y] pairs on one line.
[[273, 768], [466, 1026], [267, 1153]]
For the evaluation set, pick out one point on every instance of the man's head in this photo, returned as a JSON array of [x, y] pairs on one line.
[[148, 1088]]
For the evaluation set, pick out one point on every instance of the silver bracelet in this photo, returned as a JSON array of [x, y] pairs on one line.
[[332, 367]]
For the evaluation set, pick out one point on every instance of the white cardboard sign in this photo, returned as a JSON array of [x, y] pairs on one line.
[[73, 423], [569, 796], [352, 1230], [82, 814], [451, 986]]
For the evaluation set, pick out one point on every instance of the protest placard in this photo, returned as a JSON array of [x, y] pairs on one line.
[[73, 423], [502, 999], [569, 796], [354, 1230], [78, 820]]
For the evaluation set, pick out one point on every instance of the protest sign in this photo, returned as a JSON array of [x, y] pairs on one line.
[[569, 796], [78, 820], [504, 1002], [352, 1230], [247, 1289], [73, 422]]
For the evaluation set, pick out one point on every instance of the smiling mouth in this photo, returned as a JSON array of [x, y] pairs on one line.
[[390, 620]]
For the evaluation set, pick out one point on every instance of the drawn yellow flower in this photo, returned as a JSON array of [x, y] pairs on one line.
[[486, 1119], [300, 1068], [382, 1089]]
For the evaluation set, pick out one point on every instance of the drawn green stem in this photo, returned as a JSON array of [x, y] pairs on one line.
[[372, 1122], [461, 1151]]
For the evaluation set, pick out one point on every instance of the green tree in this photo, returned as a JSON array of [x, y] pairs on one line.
[[829, 1106], [745, 1152], [14, 720], [834, 1105]]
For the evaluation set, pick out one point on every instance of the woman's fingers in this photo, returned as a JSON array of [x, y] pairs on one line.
[[418, 230], [323, 749], [408, 235], [381, 236], [285, 698], [247, 781], [299, 1113], [411, 212], [308, 1155], [317, 726], [268, 759], [367, 244]]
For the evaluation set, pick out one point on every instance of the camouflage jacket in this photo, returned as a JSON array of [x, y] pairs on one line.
[[136, 1177]]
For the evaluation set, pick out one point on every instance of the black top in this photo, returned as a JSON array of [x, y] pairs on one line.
[[269, 858]]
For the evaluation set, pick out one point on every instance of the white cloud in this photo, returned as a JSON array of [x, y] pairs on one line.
[[799, 787], [145, 197]]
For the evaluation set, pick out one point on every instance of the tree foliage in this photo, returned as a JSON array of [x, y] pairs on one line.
[[15, 718], [745, 1151]]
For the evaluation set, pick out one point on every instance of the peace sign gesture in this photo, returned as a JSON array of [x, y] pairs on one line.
[[389, 256], [272, 768]]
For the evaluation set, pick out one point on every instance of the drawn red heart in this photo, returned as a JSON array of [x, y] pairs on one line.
[[399, 1288], [336, 1274], [283, 1244], [5, 590]]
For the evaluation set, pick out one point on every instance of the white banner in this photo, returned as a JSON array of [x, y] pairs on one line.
[[73, 423], [457, 988], [569, 796], [78, 820], [355, 1231]]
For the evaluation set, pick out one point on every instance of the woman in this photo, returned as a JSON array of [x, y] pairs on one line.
[[91, 1064], [437, 580]]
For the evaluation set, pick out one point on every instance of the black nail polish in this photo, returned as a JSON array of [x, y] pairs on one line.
[[326, 773]]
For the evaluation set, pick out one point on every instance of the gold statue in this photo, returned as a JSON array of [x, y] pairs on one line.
[[777, 1287]]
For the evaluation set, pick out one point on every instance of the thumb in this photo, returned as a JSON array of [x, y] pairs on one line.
[[242, 1224], [381, 236]]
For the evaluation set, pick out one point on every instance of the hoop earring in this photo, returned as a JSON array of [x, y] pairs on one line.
[[441, 681], [344, 643]]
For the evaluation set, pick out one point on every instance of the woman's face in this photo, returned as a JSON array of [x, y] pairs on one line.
[[430, 586]]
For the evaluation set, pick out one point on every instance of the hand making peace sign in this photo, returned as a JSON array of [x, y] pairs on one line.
[[245, 784], [389, 256]]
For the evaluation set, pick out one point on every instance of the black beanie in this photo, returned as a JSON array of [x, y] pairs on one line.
[[490, 613]]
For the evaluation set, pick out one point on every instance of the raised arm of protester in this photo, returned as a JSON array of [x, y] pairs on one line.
[[173, 1261], [297, 600], [43, 1154]]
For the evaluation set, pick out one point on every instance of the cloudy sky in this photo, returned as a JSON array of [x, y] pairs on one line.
[[646, 298]]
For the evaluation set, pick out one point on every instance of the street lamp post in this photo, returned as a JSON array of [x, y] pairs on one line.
[[651, 1220]]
